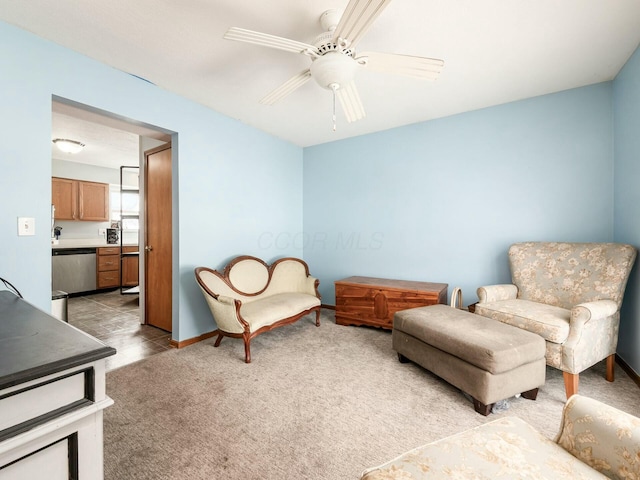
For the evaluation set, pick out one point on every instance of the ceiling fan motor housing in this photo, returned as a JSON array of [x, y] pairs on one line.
[[334, 67], [325, 43]]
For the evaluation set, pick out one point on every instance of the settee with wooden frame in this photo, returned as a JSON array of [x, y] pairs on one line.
[[250, 297]]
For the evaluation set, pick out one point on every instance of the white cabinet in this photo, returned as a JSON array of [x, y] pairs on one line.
[[64, 443], [52, 396]]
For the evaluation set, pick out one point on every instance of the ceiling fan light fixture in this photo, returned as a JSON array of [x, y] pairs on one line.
[[68, 146], [333, 68]]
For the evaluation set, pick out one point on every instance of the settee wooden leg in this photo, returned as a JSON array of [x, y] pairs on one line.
[[481, 408], [571, 381], [247, 349], [318, 318], [218, 340], [611, 364], [530, 394]]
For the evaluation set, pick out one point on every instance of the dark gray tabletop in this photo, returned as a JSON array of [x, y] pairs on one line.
[[34, 344]]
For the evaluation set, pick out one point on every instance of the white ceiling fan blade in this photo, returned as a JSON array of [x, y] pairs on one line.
[[287, 87], [357, 18], [350, 101], [417, 67], [271, 41]]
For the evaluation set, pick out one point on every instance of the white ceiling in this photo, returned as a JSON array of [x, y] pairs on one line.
[[495, 51], [109, 142]]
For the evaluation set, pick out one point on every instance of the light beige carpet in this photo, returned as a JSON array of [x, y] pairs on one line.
[[315, 403]]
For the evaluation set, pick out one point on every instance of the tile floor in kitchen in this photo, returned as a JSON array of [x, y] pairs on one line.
[[115, 319]]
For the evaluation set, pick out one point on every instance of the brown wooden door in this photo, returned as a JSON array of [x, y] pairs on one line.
[[158, 244]]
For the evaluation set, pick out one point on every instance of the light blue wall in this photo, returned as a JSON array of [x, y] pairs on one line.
[[435, 201], [442, 200], [232, 182], [626, 90]]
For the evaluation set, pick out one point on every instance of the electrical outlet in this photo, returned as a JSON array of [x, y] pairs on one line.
[[102, 231], [26, 226]]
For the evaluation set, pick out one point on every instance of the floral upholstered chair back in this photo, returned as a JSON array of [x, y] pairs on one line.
[[566, 274]]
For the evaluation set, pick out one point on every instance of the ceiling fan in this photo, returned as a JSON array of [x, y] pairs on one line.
[[334, 61]]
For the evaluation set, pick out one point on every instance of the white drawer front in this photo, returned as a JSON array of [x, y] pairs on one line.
[[51, 463], [28, 404]]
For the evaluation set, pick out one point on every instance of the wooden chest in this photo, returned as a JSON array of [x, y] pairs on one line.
[[374, 301]]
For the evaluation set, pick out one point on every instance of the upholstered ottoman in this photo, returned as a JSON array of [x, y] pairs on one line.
[[485, 358]]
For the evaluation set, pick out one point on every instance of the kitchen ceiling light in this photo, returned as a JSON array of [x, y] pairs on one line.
[[68, 146]]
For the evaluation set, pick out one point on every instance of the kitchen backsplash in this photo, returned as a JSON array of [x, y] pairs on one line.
[[76, 233]]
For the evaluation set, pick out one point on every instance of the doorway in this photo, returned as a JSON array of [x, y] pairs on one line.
[[105, 314]]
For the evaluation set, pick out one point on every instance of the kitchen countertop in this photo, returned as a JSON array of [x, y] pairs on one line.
[[90, 245], [33, 344]]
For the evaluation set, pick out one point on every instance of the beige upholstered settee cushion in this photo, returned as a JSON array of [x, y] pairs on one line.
[[276, 307]]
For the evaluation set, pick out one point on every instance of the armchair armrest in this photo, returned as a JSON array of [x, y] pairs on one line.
[[495, 293], [584, 312], [601, 436], [590, 322]]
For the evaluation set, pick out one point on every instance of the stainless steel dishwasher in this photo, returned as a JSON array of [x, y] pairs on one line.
[[73, 269]]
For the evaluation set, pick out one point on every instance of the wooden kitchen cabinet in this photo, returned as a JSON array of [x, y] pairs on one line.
[[130, 266], [108, 267], [80, 200], [64, 196], [93, 201]]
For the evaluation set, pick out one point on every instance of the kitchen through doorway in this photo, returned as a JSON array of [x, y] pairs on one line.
[[103, 311]]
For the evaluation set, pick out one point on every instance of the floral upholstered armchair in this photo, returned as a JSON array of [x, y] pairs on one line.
[[595, 441], [568, 293]]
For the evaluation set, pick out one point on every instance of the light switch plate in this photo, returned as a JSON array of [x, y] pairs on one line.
[[26, 226]]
